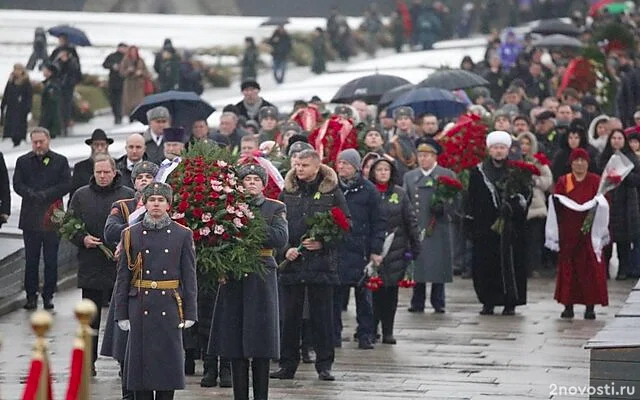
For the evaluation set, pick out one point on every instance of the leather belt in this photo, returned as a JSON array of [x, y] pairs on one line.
[[164, 285], [266, 252]]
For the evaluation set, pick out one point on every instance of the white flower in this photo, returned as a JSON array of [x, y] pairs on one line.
[[215, 182], [239, 214], [218, 229], [249, 214], [205, 231], [222, 164], [217, 188], [177, 216], [237, 223], [231, 175], [243, 207], [228, 189], [231, 210], [206, 217], [241, 189], [232, 182]]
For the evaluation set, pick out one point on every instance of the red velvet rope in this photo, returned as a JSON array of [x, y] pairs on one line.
[[33, 380], [75, 376]]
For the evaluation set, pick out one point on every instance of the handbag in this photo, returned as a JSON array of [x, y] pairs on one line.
[[148, 87]]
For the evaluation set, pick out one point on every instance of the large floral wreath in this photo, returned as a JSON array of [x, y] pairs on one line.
[[227, 229], [335, 135]]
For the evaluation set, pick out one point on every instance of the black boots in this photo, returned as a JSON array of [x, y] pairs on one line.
[[568, 312], [486, 310], [260, 378], [31, 304], [210, 377], [225, 373], [47, 303], [589, 313], [240, 374], [189, 364]]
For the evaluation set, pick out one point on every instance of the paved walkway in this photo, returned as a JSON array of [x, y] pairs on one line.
[[458, 355]]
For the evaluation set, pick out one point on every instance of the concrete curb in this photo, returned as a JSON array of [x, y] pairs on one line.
[[17, 301]]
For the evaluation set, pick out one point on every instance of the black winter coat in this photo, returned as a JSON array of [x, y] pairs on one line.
[[40, 181], [368, 227], [14, 109], [5, 190], [81, 176], [92, 204], [303, 200], [116, 80], [401, 219], [242, 110]]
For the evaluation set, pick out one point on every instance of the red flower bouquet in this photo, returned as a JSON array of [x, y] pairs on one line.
[[447, 189], [326, 227], [209, 199], [518, 180], [335, 135], [374, 283], [464, 146], [542, 158]]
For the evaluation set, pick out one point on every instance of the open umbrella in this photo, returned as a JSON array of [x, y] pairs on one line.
[[368, 88], [74, 35], [558, 40], [452, 79], [439, 102], [275, 21], [390, 95], [185, 107], [553, 26]]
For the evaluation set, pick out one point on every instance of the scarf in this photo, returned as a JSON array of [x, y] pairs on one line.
[[599, 229], [252, 109], [382, 187], [156, 224]]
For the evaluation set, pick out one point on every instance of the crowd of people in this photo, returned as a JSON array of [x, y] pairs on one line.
[[382, 168]]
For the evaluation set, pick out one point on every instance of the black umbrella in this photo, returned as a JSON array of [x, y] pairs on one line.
[[74, 35], [558, 40], [453, 79], [275, 21], [553, 26], [185, 108], [368, 88], [390, 95]]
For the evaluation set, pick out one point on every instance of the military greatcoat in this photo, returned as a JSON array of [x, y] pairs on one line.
[[435, 263], [154, 358], [245, 318], [114, 341]]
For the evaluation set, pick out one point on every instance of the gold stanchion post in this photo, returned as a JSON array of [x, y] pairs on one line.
[[85, 312], [41, 322]]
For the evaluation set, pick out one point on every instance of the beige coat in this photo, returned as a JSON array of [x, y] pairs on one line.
[[542, 183], [134, 73]]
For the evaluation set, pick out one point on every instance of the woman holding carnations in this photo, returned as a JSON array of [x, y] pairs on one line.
[[401, 220], [581, 275], [624, 213], [537, 214], [245, 318], [496, 218]]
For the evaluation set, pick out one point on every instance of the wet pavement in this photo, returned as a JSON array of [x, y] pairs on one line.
[[457, 355]]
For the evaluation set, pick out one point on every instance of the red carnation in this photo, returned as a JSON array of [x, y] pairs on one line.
[[340, 218], [198, 197], [542, 158], [614, 179], [200, 179], [197, 212], [184, 196], [525, 166], [451, 182], [183, 206]]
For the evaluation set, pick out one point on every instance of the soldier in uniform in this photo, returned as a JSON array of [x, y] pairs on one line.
[[156, 297], [269, 129], [435, 263], [114, 342], [245, 319]]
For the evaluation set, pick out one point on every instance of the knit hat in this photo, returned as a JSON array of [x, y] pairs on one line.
[[249, 83], [579, 152], [157, 189], [297, 143], [253, 169], [577, 125], [144, 167], [499, 137], [352, 157], [158, 113]]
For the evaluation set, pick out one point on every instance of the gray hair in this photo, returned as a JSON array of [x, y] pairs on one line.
[[308, 154], [39, 129], [230, 115]]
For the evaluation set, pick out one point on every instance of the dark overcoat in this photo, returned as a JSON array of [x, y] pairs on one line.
[[368, 227], [245, 319], [154, 359], [401, 220], [92, 205], [435, 263], [40, 181], [50, 116], [304, 199], [498, 268], [15, 107], [154, 153], [5, 189], [81, 175], [114, 341]]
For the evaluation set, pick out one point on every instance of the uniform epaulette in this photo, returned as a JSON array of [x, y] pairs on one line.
[[124, 200], [276, 201], [183, 226]]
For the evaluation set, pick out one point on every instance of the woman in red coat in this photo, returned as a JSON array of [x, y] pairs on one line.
[[581, 275]]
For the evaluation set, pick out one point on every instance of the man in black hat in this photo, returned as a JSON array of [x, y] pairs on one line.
[[112, 63], [83, 171], [50, 117], [545, 130], [250, 106], [174, 141], [435, 263]]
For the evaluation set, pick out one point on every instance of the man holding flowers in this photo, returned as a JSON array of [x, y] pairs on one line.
[[435, 263], [310, 188]]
